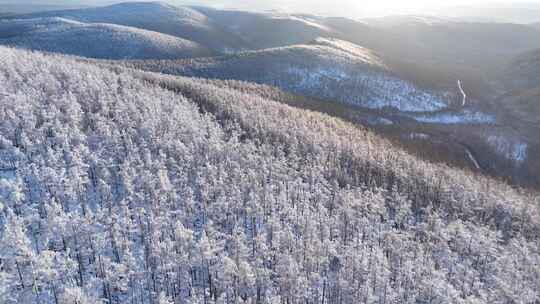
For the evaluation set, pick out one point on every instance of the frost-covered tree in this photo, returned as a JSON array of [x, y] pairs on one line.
[[132, 187]]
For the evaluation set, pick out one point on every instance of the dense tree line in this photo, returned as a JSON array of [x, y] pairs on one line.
[[130, 187]]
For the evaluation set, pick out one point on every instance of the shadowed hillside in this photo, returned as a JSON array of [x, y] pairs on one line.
[[325, 69]]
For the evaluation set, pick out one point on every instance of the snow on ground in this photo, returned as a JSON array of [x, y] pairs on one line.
[[327, 69], [511, 149], [312, 78], [370, 89], [395, 93], [463, 117]]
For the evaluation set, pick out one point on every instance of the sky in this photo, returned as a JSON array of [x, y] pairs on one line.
[[354, 8], [339, 7]]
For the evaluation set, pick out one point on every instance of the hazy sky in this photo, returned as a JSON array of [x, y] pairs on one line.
[[325, 7], [361, 8]]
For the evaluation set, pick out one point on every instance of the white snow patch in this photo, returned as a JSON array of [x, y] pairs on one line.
[[464, 117], [375, 90], [311, 78]]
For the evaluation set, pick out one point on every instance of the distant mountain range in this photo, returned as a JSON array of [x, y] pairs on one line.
[[19, 7], [181, 22], [96, 40]]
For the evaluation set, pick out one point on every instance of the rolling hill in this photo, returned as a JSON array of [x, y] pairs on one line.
[[401, 74], [453, 41], [183, 22], [373, 93], [136, 187], [523, 71], [519, 84], [222, 30], [326, 69], [96, 40], [205, 156], [446, 49], [269, 29]]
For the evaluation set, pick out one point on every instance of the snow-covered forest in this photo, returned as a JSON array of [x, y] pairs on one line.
[[131, 187], [327, 69]]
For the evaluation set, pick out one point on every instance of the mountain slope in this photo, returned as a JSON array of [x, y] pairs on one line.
[[523, 72], [104, 41], [326, 69], [133, 187], [181, 22], [523, 104]]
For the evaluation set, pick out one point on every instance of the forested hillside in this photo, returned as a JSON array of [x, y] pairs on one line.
[[521, 81], [434, 76], [325, 68], [132, 187]]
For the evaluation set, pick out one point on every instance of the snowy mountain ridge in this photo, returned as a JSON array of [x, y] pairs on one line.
[[183, 22], [95, 40]]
